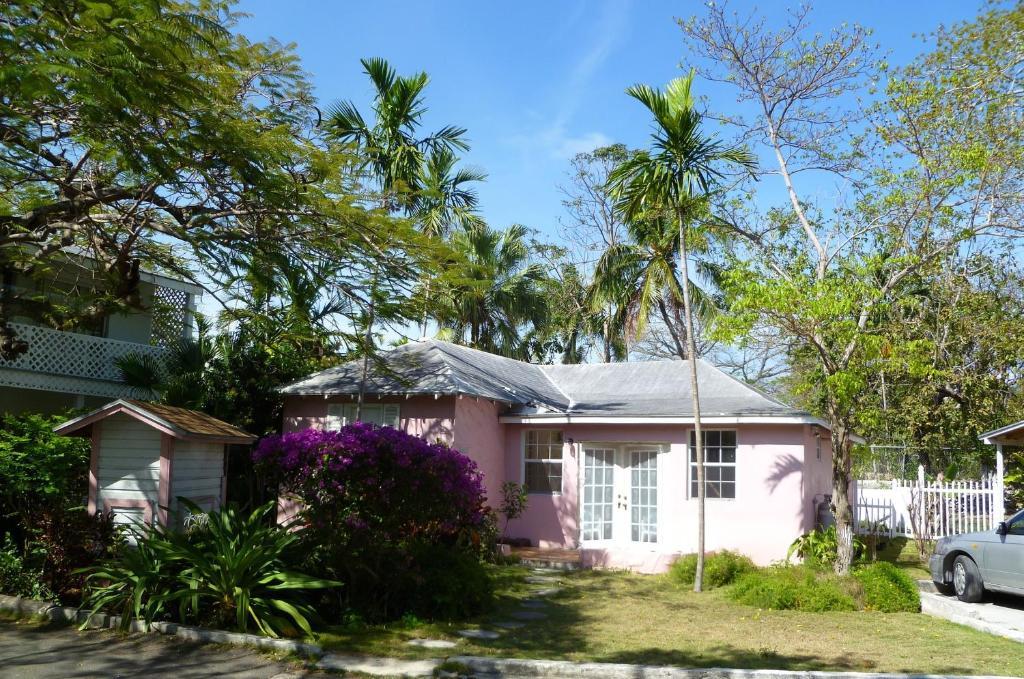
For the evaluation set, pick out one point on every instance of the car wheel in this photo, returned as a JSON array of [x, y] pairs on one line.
[[943, 588], [967, 582]]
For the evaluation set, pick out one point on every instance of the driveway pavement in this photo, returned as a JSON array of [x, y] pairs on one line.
[[29, 650], [999, 614]]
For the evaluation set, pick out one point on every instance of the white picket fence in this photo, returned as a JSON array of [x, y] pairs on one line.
[[936, 508]]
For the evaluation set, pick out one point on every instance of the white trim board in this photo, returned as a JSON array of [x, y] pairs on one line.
[[714, 419]]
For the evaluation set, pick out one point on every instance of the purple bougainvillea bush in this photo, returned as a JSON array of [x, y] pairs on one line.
[[376, 505]]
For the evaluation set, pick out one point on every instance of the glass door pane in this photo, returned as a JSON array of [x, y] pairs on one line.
[[598, 493], [644, 496]]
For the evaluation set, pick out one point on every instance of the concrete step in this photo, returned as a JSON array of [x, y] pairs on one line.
[[536, 562]]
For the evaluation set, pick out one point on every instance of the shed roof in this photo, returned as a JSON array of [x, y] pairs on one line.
[[180, 423], [640, 389], [1011, 433]]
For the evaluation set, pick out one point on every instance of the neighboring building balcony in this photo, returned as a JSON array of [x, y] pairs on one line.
[[71, 362]]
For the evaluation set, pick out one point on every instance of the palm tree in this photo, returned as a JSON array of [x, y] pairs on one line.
[[393, 154], [445, 200], [494, 292], [675, 177], [390, 148], [640, 277]]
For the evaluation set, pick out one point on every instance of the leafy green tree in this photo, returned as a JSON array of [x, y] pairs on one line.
[[494, 291], [592, 226], [130, 127], [38, 469], [909, 189], [675, 178], [413, 174], [961, 380]]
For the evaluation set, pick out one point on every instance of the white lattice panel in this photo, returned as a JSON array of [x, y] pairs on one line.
[[68, 354], [170, 316]]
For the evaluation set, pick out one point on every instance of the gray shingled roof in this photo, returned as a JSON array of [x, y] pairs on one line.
[[658, 389], [636, 389], [435, 367]]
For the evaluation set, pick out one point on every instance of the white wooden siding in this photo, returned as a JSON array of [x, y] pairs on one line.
[[198, 471], [129, 463]]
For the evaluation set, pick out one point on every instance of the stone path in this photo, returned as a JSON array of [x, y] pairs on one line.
[[530, 610]]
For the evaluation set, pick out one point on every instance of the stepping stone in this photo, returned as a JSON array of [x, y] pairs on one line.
[[478, 634], [547, 591], [508, 624], [430, 643], [540, 580], [381, 667], [533, 603], [545, 571], [529, 615]]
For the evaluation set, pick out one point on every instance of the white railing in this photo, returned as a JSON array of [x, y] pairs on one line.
[[929, 509], [72, 355]]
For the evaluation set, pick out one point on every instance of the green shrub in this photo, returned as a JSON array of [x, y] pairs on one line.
[[17, 579], [231, 570], [792, 588], [38, 470], [887, 588], [820, 547], [720, 568], [453, 584]]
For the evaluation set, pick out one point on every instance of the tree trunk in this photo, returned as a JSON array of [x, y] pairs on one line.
[[841, 507], [691, 346], [367, 343], [681, 351], [608, 334]]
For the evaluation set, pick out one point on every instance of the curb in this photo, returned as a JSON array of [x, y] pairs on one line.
[[55, 613], [564, 669], [943, 607], [508, 667]]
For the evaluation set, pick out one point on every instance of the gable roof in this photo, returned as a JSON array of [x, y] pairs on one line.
[[434, 367], [660, 389], [642, 389], [180, 423]]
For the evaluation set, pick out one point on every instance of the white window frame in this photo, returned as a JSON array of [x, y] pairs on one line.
[[383, 414], [551, 446], [692, 465]]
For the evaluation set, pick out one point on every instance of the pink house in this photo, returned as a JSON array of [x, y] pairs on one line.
[[604, 449]]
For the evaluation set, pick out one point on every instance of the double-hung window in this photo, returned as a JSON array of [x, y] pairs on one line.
[[340, 414], [719, 464], [543, 463]]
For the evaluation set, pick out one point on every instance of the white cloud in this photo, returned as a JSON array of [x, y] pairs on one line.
[[569, 146], [554, 138]]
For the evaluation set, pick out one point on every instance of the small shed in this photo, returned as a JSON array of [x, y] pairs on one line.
[[145, 455]]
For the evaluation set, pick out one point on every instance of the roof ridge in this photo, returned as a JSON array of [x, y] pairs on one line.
[[746, 385], [443, 347], [457, 381]]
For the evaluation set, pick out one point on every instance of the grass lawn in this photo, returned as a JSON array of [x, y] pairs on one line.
[[609, 616]]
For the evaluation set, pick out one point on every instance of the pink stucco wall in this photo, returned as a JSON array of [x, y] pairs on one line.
[[772, 507], [779, 479], [425, 416], [478, 434]]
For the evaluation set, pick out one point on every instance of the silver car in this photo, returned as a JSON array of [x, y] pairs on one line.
[[971, 563]]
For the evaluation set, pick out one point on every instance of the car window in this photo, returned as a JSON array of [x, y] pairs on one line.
[[1016, 525]]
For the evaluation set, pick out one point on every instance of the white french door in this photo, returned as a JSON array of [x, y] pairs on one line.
[[619, 494]]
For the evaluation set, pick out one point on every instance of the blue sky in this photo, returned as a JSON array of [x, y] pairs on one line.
[[535, 82]]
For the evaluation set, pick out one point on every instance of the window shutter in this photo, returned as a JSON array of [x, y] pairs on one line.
[[390, 417]]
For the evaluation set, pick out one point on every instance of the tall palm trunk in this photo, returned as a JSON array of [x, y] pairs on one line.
[[691, 346], [367, 343]]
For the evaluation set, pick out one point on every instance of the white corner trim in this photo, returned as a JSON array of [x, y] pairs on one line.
[[712, 420]]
